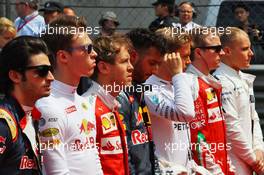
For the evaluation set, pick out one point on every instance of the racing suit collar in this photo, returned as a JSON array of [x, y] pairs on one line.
[[207, 78], [237, 74], [106, 97], [63, 88]]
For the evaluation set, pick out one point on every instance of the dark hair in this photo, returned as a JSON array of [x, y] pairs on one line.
[[62, 31], [143, 39], [169, 6], [107, 47], [16, 55], [177, 11], [239, 5]]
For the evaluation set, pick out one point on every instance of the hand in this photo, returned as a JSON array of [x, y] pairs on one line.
[[259, 165], [173, 62], [256, 34]]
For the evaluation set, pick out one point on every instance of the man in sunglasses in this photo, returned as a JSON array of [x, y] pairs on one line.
[[242, 121], [68, 127], [208, 132], [25, 76]]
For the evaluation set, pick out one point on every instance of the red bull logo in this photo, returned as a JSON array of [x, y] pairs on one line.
[[139, 137], [86, 127], [139, 116], [27, 163]]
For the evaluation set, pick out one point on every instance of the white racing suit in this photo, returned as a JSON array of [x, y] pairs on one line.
[[68, 132], [242, 121], [171, 107]]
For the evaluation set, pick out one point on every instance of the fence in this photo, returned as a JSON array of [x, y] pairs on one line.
[[131, 13]]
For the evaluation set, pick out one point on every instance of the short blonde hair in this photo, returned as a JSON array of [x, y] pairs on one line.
[[231, 35], [7, 26], [173, 37]]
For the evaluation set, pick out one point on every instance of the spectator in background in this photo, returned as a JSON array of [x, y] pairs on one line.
[[51, 11], [242, 14], [186, 14], [25, 76], [67, 10], [7, 31], [28, 22], [109, 23], [164, 10], [242, 121]]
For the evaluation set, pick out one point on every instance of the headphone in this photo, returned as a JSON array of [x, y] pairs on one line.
[[177, 9]]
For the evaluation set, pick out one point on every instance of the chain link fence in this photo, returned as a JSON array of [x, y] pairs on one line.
[[140, 13], [131, 13]]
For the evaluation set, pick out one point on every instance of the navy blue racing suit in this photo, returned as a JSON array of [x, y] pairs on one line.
[[16, 154], [135, 116]]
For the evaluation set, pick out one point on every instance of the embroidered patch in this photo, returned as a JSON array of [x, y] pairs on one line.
[[108, 122], [50, 132], [111, 145], [70, 109], [86, 127]]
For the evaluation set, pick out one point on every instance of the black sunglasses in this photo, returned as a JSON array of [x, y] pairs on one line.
[[216, 48], [41, 70], [88, 48]]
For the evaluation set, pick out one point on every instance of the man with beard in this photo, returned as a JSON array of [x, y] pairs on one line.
[[146, 58]]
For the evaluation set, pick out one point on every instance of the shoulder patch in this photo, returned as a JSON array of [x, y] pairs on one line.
[[11, 122]]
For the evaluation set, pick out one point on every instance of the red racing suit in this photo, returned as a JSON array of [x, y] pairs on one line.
[[208, 130], [111, 139], [110, 133]]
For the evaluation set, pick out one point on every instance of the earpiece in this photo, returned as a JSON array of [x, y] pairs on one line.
[[177, 8]]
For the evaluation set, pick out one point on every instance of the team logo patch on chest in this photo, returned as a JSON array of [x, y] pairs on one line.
[[86, 127], [111, 145], [70, 109], [211, 96], [214, 115], [108, 122]]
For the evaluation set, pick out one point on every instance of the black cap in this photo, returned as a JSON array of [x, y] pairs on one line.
[[52, 6], [163, 2]]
